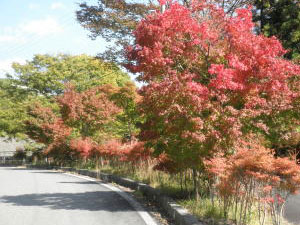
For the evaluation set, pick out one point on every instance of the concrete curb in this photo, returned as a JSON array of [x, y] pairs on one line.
[[180, 215]]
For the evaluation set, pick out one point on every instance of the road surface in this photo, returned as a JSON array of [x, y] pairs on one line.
[[292, 210], [41, 197]]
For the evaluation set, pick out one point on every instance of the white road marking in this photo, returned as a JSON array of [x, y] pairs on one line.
[[137, 206]]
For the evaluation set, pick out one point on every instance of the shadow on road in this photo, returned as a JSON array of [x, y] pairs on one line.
[[91, 201]]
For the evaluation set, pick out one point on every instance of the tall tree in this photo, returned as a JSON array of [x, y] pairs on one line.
[[87, 112], [115, 21], [281, 18], [47, 75], [127, 98], [43, 78], [13, 104], [82, 118], [209, 80]]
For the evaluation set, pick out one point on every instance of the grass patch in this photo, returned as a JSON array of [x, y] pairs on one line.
[[213, 214]]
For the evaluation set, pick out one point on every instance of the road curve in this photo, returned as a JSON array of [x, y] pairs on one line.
[[41, 197]]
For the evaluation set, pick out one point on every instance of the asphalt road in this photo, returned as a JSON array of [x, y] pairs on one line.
[[292, 210], [41, 197]]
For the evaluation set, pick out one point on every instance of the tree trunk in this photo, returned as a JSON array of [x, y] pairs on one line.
[[196, 185]]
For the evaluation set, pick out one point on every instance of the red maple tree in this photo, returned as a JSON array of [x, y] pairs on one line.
[[209, 80]]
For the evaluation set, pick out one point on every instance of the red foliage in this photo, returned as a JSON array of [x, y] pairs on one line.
[[252, 173], [110, 149], [83, 146], [47, 128], [128, 152], [208, 78], [91, 107], [165, 164], [253, 161], [82, 114], [134, 152]]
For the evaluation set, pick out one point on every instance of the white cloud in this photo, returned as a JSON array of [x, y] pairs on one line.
[[5, 65], [10, 35], [11, 38], [57, 5], [42, 27], [8, 38], [33, 6], [22, 33]]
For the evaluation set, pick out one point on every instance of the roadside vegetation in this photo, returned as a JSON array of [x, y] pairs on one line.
[[215, 124]]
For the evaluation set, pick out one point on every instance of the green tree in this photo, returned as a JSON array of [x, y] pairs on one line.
[[12, 109], [47, 75], [113, 21], [43, 78], [127, 99], [281, 18]]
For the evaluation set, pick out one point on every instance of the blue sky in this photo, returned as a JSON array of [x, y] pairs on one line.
[[29, 27]]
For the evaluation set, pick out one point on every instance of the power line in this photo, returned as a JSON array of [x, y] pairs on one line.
[[36, 39]]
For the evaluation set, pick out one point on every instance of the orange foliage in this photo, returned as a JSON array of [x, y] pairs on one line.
[[254, 174]]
